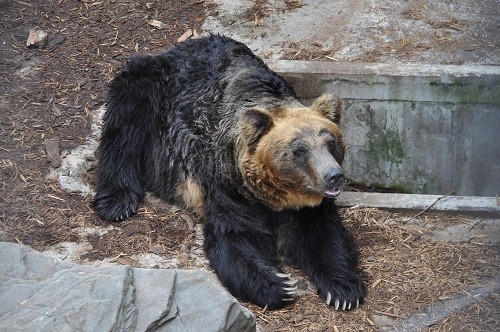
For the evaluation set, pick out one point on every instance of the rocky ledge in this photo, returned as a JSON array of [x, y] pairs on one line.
[[44, 293]]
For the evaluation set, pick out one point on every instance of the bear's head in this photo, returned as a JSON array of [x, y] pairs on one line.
[[290, 157]]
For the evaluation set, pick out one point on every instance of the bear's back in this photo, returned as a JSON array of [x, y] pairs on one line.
[[213, 78], [203, 63]]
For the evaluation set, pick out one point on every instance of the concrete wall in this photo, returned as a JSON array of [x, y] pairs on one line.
[[416, 128]]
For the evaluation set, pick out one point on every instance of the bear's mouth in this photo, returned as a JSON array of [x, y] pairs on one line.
[[332, 193]]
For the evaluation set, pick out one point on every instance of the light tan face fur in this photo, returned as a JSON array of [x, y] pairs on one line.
[[286, 167]]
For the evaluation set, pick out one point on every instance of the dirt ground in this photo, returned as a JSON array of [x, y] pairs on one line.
[[48, 94], [424, 31]]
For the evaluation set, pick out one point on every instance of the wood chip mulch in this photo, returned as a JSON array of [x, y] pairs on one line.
[[48, 92]]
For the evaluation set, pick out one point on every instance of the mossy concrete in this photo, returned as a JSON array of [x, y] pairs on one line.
[[431, 129]]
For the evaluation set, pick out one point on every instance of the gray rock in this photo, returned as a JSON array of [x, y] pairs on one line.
[[36, 38], [380, 320], [52, 149], [43, 293], [198, 301], [76, 164], [154, 296]]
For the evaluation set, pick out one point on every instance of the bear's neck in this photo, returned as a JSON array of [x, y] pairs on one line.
[[262, 185]]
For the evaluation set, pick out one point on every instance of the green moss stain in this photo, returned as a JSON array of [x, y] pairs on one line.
[[468, 90], [402, 188], [385, 146]]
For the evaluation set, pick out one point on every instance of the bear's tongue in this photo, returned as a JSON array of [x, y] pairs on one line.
[[332, 193]]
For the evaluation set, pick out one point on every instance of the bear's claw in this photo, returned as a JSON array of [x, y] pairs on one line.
[[328, 298], [121, 217], [283, 275], [345, 305], [289, 291]]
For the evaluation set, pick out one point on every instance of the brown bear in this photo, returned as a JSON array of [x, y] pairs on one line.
[[208, 126]]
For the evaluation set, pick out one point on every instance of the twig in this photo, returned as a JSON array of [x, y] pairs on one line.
[[389, 314], [430, 206], [475, 224]]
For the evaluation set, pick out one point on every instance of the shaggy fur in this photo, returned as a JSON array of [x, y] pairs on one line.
[[208, 126]]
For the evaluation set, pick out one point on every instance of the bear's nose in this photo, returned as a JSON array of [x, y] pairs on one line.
[[334, 176]]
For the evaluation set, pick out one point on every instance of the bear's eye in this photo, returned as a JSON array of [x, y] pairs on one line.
[[300, 152], [332, 146]]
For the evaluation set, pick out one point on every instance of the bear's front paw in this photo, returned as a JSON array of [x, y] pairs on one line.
[[274, 292], [116, 206], [270, 291], [344, 296]]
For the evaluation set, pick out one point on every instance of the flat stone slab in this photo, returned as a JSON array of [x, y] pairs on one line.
[[440, 310], [44, 293], [420, 202]]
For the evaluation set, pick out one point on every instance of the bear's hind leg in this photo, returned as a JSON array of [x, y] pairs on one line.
[[119, 174], [117, 199], [248, 267], [119, 188], [126, 142]]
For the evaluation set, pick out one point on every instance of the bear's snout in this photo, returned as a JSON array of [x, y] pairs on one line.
[[329, 176], [334, 180], [335, 176]]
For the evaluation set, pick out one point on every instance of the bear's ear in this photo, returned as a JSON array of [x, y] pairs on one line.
[[329, 106], [255, 122]]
